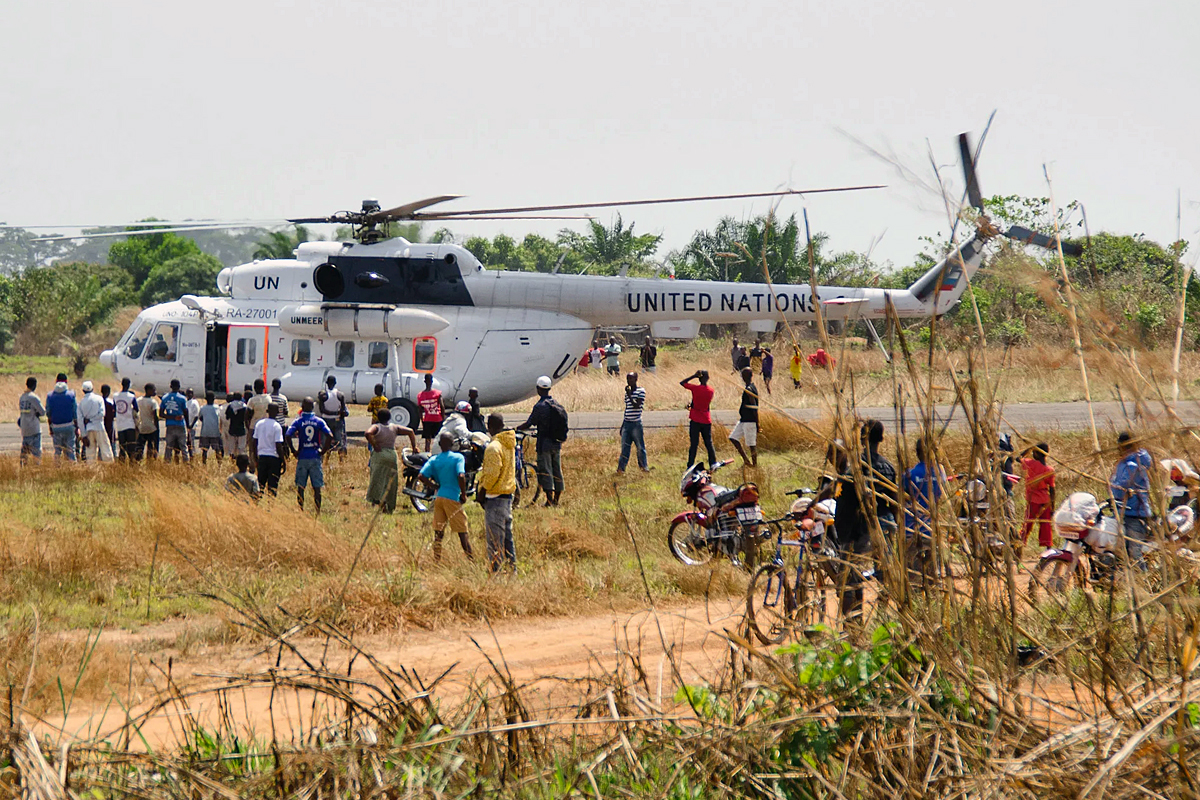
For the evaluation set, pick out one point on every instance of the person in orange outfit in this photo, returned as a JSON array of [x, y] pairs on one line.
[[1039, 493]]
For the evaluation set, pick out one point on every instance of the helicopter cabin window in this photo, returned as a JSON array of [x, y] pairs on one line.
[[424, 354], [301, 352], [138, 342], [164, 345], [344, 354], [247, 351], [377, 355]]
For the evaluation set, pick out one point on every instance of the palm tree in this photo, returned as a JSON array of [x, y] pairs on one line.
[[280, 244], [610, 249]]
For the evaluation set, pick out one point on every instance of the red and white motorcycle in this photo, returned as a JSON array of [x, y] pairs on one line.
[[1089, 528], [725, 521]]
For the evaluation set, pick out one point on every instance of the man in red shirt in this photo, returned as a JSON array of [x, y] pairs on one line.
[[699, 418], [430, 402], [1039, 493]]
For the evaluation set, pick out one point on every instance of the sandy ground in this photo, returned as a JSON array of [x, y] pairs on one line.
[[552, 657], [555, 661]]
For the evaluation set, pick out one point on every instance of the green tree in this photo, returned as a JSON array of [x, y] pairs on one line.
[[280, 244], [608, 250], [20, 250], [752, 249], [195, 273], [542, 255], [46, 304], [534, 253], [138, 255]]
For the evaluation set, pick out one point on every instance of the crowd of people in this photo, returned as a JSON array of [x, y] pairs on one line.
[[607, 356], [923, 485], [256, 431]]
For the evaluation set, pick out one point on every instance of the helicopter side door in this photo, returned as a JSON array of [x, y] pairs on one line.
[[173, 350], [216, 344], [245, 356]]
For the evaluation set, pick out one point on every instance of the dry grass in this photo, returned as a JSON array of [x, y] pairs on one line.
[[965, 686], [1026, 374]]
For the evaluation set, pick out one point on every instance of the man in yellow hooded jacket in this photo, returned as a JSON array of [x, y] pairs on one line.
[[498, 479]]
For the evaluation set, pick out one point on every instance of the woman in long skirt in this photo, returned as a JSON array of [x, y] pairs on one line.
[[385, 467]]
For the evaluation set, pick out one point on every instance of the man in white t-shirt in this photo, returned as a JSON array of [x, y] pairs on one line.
[[267, 444], [125, 423], [612, 356], [256, 406], [596, 355]]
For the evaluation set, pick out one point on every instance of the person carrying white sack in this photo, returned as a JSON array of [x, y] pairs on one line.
[[91, 423]]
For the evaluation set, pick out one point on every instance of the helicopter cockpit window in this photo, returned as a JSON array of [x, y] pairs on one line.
[[377, 355], [424, 354], [164, 345], [301, 352], [247, 351], [344, 354], [138, 343]]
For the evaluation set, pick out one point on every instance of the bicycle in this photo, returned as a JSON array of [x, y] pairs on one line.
[[773, 605], [526, 473]]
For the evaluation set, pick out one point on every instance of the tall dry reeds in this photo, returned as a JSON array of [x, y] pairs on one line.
[[965, 677]]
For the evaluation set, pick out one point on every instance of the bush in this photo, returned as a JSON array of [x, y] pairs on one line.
[[1011, 332], [46, 304]]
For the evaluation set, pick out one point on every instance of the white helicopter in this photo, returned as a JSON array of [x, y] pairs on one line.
[[388, 311]]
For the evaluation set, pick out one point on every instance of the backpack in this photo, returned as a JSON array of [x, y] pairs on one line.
[[556, 421]]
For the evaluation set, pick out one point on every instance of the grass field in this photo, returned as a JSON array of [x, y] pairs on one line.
[[120, 547], [960, 687]]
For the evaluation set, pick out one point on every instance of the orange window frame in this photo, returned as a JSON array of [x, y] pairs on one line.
[[422, 340]]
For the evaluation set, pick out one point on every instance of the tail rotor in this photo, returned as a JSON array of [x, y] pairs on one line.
[[1017, 233]]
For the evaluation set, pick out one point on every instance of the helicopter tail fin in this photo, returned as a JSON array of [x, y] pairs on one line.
[[943, 285]]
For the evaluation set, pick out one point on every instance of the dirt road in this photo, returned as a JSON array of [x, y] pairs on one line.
[[548, 656]]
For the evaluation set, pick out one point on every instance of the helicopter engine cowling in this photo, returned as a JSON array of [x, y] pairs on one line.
[[311, 319]]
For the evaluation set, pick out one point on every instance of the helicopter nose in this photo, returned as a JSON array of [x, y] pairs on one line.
[[108, 359]]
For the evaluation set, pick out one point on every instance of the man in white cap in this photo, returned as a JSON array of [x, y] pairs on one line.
[[91, 423], [550, 419]]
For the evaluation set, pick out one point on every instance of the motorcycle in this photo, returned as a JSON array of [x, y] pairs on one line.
[[1090, 530], [726, 522], [412, 461], [974, 511]]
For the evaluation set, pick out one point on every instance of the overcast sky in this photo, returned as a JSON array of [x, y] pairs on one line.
[[119, 110]]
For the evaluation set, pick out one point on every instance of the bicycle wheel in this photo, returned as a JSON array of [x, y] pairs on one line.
[[688, 542], [770, 603], [528, 487], [814, 589]]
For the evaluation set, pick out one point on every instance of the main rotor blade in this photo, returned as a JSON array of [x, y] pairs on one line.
[[214, 223], [442, 217], [438, 217], [407, 210], [149, 231], [663, 201], [968, 165]]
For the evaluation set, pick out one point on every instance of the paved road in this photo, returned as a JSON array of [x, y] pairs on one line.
[[1022, 417]]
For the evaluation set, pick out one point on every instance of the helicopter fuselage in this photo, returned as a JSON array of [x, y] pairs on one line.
[[389, 313]]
